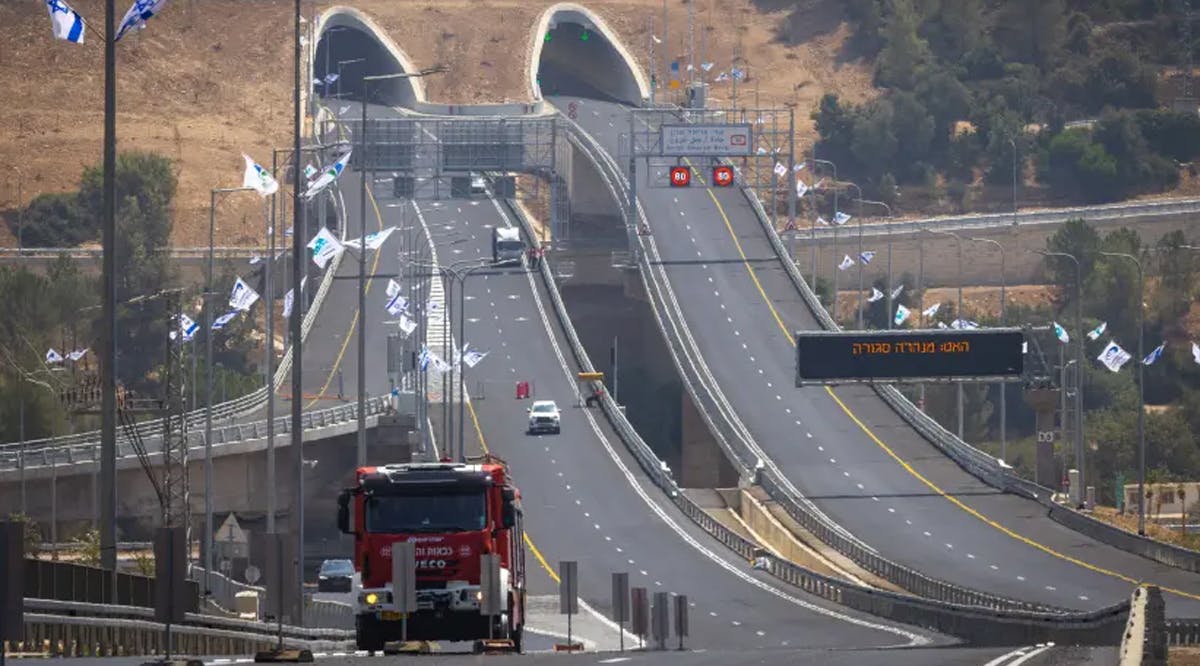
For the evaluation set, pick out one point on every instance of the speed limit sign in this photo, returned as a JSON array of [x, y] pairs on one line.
[[572, 110], [680, 176]]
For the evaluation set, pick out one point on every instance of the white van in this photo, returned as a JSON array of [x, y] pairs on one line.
[[507, 246]]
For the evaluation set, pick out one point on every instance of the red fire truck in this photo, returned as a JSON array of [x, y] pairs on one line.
[[453, 512]]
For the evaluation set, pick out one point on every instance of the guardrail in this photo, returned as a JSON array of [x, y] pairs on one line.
[[317, 612], [96, 253], [736, 441], [1119, 211]]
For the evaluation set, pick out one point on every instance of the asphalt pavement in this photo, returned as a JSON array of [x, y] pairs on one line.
[[845, 449]]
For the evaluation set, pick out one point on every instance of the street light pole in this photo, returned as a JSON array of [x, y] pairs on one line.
[[108, 337], [959, 314], [815, 161], [299, 265], [1003, 387], [1141, 420], [890, 308], [1080, 455]]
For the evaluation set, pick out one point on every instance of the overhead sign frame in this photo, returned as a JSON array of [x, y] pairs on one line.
[[910, 356], [706, 140]]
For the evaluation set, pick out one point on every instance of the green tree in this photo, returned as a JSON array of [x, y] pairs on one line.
[[54, 220], [875, 143], [1077, 238], [1031, 31], [32, 535], [88, 544], [1171, 134], [904, 51], [954, 27], [835, 127], [913, 127], [946, 99]]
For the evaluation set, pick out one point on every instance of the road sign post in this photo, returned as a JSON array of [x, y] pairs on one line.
[[489, 585], [620, 604], [659, 619], [568, 594], [12, 584], [639, 613], [170, 591], [681, 617], [404, 582]]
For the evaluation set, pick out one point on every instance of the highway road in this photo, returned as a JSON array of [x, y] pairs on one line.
[[584, 496], [1024, 656], [845, 449]]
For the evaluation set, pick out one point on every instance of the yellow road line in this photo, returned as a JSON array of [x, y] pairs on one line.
[[909, 468], [353, 321], [528, 541]]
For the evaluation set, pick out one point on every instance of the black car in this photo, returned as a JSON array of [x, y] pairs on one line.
[[335, 576]]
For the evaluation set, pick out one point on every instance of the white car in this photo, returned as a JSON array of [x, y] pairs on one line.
[[478, 185], [544, 417]]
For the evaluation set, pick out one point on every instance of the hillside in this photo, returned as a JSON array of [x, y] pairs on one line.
[[209, 80]]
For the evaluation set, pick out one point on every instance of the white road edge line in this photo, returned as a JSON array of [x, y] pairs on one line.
[[913, 638]]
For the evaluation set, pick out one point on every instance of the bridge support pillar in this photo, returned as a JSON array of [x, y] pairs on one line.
[[704, 464]]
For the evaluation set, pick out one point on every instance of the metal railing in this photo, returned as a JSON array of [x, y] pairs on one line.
[[317, 612], [150, 430], [1118, 211], [97, 254]]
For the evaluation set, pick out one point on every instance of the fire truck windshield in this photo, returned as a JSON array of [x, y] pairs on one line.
[[417, 511]]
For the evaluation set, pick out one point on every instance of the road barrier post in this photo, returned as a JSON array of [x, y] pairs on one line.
[[659, 620], [568, 594], [639, 613], [404, 582], [681, 617], [620, 604]]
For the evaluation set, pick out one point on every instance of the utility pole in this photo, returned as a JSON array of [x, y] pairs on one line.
[[108, 358], [299, 264]]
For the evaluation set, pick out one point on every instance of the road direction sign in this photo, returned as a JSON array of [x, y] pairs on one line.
[[732, 140]]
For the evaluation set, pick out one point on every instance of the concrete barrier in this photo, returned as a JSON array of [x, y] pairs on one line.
[[1159, 551], [1144, 642]]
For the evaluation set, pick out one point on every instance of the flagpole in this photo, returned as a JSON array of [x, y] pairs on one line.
[[1080, 455], [1141, 420], [362, 278], [108, 358], [298, 265], [272, 223]]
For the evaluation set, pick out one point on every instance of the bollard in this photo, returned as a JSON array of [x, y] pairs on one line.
[[620, 604], [681, 617], [660, 619], [639, 616]]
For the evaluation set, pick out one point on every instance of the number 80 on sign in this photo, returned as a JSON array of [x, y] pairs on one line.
[[681, 176]]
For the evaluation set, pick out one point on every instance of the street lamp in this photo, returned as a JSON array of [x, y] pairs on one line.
[[1080, 455], [367, 82], [1141, 421], [958, 312], [208, 381], [889, 260], [814, 160], [1003, 387]]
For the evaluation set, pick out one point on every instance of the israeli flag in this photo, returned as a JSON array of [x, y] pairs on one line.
[[324, 247], [328, 175], [866, 256], [780, 170], [290, 298], [1154, 355], [77, 354], [65, 22], [1196, 353], [187, 327], [432, 306], [423, 358], [822, 221], [53, 356], [963, 324], [897, 291], [799, 167], [840, 218], [138, 14], [374, 241], [393, 288], [1113, 357], [875, 295], [472, 358], [707, 66], [801, 189], [1061, 334], [721, 78], [397, 304], [258, 178], [737, 74], [847, 262], [220, 322], [407, 326], [932, 310], [1098, 331], [901, 314], [242, 297]]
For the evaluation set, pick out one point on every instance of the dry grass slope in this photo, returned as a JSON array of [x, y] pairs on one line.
[[209, 80]]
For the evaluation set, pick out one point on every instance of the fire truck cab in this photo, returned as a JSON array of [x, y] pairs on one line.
[[453, 512]]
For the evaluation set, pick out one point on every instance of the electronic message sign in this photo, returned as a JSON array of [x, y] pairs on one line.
[[826, 357]]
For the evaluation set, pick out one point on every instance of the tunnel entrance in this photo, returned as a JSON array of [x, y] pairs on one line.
[[578, 60], [347, 53]]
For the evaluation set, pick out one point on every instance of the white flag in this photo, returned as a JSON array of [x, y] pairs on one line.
[[324, 247], [798, 167], [942, 324], [897, 291], [866, 256], [242, 296], [901, 314], [328, 175], [258, 178], [407, 325], [706, 66], [225, 319], [1061, 334], [289, 300], [397, 304], [374, 241], [963, 324], [432, 306], [875, 295], [822, 221], [932, 310], [1113, 357], [1196, 353], [65, 22], [472, 358], [801, 189], [847, 262], [840, 218], [138, 14], [656, 39], [78, 354], [187, 327], [1098, 331], [1154, 355], [393, 288], [780, 170], [53, 356]]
